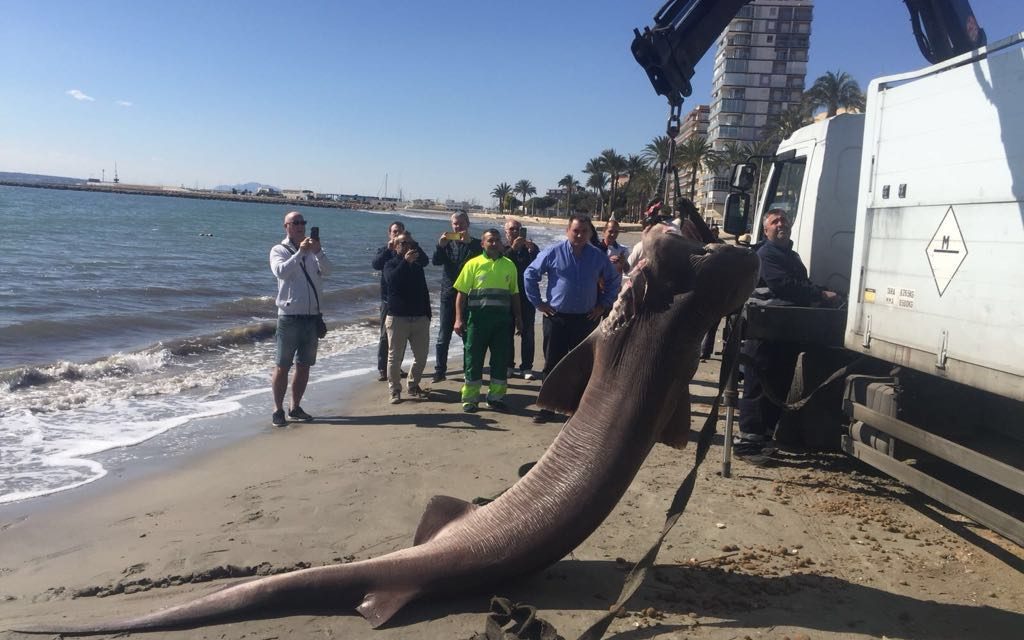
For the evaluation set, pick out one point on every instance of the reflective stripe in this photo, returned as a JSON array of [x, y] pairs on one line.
[[490, 298]]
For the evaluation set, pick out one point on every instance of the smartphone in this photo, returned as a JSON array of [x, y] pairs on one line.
[[453, 235], [314, 233], [522, 232]]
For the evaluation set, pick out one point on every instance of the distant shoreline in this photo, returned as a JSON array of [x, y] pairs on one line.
[[142, 190]]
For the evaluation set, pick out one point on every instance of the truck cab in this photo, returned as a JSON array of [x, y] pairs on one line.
[[814, 178]]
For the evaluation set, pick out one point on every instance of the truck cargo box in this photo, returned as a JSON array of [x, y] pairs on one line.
[[938, 257]]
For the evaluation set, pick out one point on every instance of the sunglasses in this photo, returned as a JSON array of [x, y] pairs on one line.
[[297, 223]]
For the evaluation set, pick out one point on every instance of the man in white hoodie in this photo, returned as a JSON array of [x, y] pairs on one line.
[[300, 265]]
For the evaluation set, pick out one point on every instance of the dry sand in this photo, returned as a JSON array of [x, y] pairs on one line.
[[818, 547]]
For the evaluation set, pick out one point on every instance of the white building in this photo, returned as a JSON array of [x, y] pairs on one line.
[[760, 70]]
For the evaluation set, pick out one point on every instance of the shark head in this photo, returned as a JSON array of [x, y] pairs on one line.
[[716, 278]]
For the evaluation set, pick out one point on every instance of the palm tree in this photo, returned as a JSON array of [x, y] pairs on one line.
[[502, 192], [570, 184], [656, 152], [784, 124], [598, 177], [596, 181], [695, 153], [635, 165], [834, 90], [615, 165], [526, 189]]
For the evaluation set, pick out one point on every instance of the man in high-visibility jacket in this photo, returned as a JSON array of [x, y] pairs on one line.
[[487, 289]]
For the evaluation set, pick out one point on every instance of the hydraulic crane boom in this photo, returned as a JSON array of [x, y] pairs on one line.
[[684, 30]]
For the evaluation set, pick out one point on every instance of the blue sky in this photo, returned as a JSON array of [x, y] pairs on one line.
[[447, 98]]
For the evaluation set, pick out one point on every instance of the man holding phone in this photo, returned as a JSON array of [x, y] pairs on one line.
[[300, 265], [521, 252], [454, 249], [408, 318], [384, 255]]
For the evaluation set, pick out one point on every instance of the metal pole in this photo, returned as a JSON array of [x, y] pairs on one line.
[[730, 395]]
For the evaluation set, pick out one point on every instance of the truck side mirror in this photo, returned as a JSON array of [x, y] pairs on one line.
[[743, 176], [737, 210]]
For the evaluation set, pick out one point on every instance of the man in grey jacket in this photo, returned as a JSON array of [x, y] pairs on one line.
[[299, 264]]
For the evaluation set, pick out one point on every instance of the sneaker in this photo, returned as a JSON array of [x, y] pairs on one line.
[[528, 374], [497, 405], [278, 418], [382, 376], [299, 414], [416, 393], [543, 416], [405, 374], [470, 407], [396, 398], [438, 377], [755, 453]]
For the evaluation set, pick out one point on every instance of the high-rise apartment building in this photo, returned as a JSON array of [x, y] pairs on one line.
[[760, 69]]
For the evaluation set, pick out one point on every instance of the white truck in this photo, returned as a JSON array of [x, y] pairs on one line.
[[915, 211]]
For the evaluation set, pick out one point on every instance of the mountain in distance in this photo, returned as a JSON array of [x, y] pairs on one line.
[[251, 186], [35, 178]]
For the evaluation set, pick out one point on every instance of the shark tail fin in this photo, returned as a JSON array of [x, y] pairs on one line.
[[563, 387], [440, 512]]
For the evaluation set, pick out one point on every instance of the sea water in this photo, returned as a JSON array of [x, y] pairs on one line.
[[123, 317]]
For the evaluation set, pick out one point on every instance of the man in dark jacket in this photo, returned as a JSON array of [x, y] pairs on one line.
[[408, 318], [785, 275], [454, 248], [521, 252], [384, 254]]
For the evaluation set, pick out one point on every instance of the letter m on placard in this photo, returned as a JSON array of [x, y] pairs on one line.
[[946, 251]]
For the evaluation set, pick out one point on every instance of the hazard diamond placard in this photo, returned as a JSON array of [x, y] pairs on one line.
[[946, 251]]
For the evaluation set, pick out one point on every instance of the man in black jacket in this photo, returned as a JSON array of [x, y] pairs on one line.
[[785, 275], [454, 248], [408, 318], [521, 252], [384, 254]]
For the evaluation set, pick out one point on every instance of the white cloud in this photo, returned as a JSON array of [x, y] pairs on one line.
[[124, 103], [78, 95]]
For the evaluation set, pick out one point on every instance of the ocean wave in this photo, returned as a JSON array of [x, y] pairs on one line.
[[216, 341], [118, 365]]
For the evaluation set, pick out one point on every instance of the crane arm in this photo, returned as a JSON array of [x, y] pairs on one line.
[[684, 30]]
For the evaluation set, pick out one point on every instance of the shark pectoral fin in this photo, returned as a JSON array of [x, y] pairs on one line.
[[563, 387], [677, 430], [378, 606], [440, 512]]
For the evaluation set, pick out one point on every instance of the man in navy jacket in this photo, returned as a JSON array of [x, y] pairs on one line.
[[785, 275]]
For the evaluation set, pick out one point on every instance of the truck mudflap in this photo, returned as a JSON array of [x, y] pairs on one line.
[[988, 490]]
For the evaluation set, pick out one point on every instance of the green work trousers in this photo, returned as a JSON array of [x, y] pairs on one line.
[[486, 329]]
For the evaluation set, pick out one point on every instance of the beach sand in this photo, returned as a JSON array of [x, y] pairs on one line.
[[818, 547]]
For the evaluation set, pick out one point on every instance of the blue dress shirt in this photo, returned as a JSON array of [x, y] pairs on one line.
[[572, 281]]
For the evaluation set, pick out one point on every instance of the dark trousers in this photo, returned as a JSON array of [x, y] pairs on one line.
[[773, 366], [382, 344], [526, 339], [562, 332], [444, 333]]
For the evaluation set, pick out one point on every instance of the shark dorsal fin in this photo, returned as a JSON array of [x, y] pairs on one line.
[[440, 512], [563, 387]]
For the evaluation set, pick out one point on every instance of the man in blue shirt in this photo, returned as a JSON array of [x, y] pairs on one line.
[[573, 305]]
